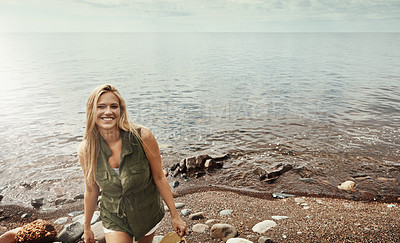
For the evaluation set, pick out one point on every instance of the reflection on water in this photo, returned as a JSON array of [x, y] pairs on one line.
[[199, 93]]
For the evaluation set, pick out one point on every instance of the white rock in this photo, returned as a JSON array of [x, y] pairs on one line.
[[263, 226], [98, 232], [391, 206], [177, 206], [238, 240], [200, 228], [75, 213], [225, 212], [279, 217], [347, 185], [62, 220]]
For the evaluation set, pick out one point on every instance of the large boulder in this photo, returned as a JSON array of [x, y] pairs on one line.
[[71, 232]]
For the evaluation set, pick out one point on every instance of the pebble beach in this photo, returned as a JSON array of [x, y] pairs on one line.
[[297, 219]]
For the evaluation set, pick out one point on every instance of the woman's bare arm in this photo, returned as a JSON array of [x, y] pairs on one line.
[[153, 156], [90, 201]]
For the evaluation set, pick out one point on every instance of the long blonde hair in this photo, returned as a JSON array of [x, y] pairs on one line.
[[90, 146]]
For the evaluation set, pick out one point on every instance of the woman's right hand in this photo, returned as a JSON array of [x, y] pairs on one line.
[[89, 236]]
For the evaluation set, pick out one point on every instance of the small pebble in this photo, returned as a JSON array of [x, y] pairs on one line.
[[225, 212], [186, 212], [25, 216], [279, 217]]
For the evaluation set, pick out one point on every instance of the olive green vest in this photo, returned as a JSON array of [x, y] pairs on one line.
[[131, 204]]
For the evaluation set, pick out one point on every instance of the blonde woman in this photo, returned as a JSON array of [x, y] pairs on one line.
[[123, 161]]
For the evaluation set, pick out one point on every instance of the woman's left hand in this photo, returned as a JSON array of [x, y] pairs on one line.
[[179, 226]]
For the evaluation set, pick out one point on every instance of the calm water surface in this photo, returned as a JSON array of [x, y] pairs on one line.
[[198, 93]]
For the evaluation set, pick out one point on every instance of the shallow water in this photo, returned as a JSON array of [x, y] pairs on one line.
[[332, 93]]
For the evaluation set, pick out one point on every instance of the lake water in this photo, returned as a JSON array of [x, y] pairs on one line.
[[198, 93]]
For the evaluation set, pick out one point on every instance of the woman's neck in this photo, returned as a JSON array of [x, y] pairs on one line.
[[111, 135]]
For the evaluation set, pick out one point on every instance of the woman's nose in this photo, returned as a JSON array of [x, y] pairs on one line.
[[108, 110]]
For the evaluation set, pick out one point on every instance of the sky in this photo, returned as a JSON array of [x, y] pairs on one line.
[[199, 16]]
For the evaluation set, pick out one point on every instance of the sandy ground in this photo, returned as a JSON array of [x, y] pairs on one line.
[[309, 219]]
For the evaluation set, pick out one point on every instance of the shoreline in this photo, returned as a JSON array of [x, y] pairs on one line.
[[309, 219]]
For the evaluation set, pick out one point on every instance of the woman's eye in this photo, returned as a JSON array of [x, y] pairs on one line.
[[101, 106], [114, 106]]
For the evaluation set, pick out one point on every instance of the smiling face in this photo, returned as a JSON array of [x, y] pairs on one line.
[[108, 111]]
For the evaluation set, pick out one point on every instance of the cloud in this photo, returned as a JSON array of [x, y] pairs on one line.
[[130, 15], [105, 3]]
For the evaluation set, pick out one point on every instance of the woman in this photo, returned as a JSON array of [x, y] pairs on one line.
[[123, 160]]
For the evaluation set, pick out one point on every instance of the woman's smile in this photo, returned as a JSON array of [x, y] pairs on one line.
[[108, 111]]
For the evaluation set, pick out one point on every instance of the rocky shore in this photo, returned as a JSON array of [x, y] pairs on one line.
[[217, 216], [226, 198]]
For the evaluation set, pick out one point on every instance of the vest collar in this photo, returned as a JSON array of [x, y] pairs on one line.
[[127, 142]]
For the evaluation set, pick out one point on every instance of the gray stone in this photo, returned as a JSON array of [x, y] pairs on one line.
[[81, 218], [263, 226], [38, 202], [191, 164], [186, 212], [71, 232], [223, 231], [238, 240], [225, 212], [200, 228], [75, 213], [62, 220], [79, 196], [196, 216]]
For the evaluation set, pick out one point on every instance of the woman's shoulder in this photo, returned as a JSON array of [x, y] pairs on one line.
[[81, 147], [146, 134]]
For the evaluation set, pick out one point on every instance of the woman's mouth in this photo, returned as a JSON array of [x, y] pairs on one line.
[[107, 118]]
